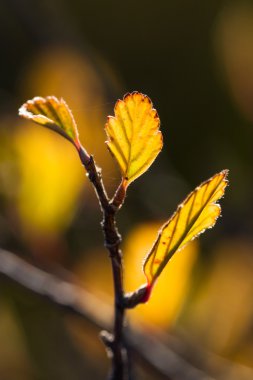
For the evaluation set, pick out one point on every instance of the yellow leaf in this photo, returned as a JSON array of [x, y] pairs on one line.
[[198, 212], [133, 135], [54, 114]]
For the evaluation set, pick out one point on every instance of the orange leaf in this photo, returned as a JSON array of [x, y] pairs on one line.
[[133, 135], [54, 114], [198, 212]]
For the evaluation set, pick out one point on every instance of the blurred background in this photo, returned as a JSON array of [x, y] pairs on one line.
[[194, 59]]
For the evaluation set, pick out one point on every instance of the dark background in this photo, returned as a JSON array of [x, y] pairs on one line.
[[194, 59]]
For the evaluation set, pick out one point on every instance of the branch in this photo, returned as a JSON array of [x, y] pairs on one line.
[[66, 295], [73, 299], [112, 242]]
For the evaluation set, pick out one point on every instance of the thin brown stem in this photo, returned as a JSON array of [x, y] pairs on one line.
[[119, 351], [112, 242]]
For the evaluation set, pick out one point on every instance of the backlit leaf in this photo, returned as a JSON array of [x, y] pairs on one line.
[[54, 114], [133, 135], [198, 212]]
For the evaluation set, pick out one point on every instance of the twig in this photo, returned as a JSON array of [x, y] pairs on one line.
[[112, 242], [73, 299], [67, 295]]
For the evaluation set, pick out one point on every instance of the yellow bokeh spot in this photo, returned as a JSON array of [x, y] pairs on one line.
[[51, 179], [171, 288], [225, 299]]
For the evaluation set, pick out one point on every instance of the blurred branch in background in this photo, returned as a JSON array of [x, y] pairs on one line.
[[73, 299]]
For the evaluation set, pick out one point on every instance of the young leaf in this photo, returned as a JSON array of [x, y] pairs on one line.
[[54, 114], [198, 212], [133, 135]]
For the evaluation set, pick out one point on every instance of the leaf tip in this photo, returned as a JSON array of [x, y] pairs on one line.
[[225, 173]]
